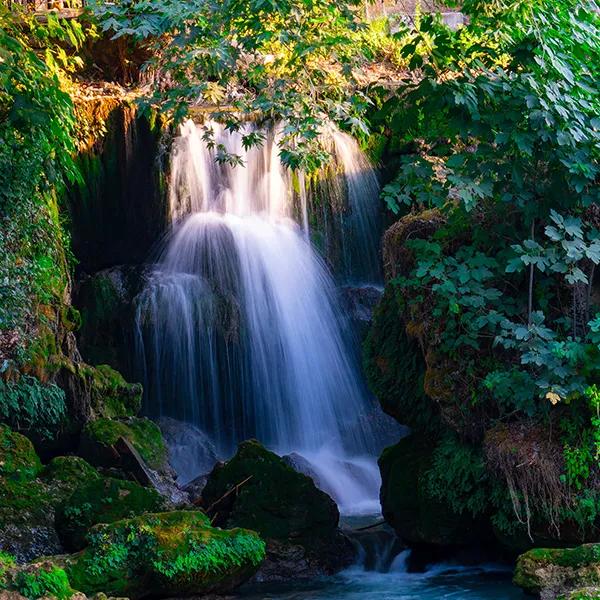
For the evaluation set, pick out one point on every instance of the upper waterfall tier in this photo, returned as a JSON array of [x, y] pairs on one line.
[[339, 207]]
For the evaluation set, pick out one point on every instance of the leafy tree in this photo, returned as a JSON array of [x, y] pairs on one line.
[[291, 60]]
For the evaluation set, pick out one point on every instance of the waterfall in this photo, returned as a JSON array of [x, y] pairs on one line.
[[239, 327]]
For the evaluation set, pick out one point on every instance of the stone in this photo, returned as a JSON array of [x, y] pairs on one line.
[[164, 554], [256, 489], [102, 501], [407, 506], [559, 572]]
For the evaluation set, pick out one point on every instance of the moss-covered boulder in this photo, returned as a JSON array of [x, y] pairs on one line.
[[408, 505], [555, 572], [256, 489], [18, 459], [28, 505], [102, 500], [107, 311], [164, 554]]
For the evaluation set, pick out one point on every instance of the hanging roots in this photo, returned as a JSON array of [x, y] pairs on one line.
[[531, 462]]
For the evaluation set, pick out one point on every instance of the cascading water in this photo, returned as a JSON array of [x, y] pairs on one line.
[[239, 327]]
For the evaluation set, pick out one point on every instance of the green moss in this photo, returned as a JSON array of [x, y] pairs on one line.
[[395, 367], [175, 553], [32, 502], [102, 501], [70, 470], [7, 562], [18, 460], [273, 498], [111, 395], [542, 568], [143, 434]]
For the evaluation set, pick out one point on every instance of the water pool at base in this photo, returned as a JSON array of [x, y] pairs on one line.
[[438, 583]]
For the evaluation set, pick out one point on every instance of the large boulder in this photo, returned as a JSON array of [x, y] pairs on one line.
[[30, 495], [558, 572], [102, 501], [408, 505], [258, 490], [164, 555]]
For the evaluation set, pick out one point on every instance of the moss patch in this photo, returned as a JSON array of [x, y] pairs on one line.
[[144, 435], [175, 553], [111, 395], [41, 580], [18, 460], [395, 367], [27, 507], [102, 501]]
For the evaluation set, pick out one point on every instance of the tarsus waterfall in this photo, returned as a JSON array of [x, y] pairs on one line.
[[239, 328]]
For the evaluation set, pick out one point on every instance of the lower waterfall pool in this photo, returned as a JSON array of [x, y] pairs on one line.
[[440, 582]]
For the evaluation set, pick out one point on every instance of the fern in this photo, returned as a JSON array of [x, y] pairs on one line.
[[29, 404]]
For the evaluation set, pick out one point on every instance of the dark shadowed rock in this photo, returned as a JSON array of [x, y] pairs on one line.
[[256, 489]]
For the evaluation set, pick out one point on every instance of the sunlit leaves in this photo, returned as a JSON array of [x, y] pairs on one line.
[[290, 60]]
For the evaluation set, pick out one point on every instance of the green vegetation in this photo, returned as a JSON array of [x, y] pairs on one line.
[[43, 583], [30, 405], [167, 553], [294, 60], [37, 125], [18, 460], [500, 135]]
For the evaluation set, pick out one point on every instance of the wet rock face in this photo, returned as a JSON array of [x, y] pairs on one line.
[[192, 454], [106, 304], [560, 573], [258, 490]]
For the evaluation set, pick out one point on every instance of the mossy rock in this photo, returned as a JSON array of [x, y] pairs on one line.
[[27, 507], [18, 459], [99, 436], [102, 500], [556, 571], [274, 500], [407, 504], [164, 554], [395, 367], [112, 396], [96, 392], [70, 471]]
